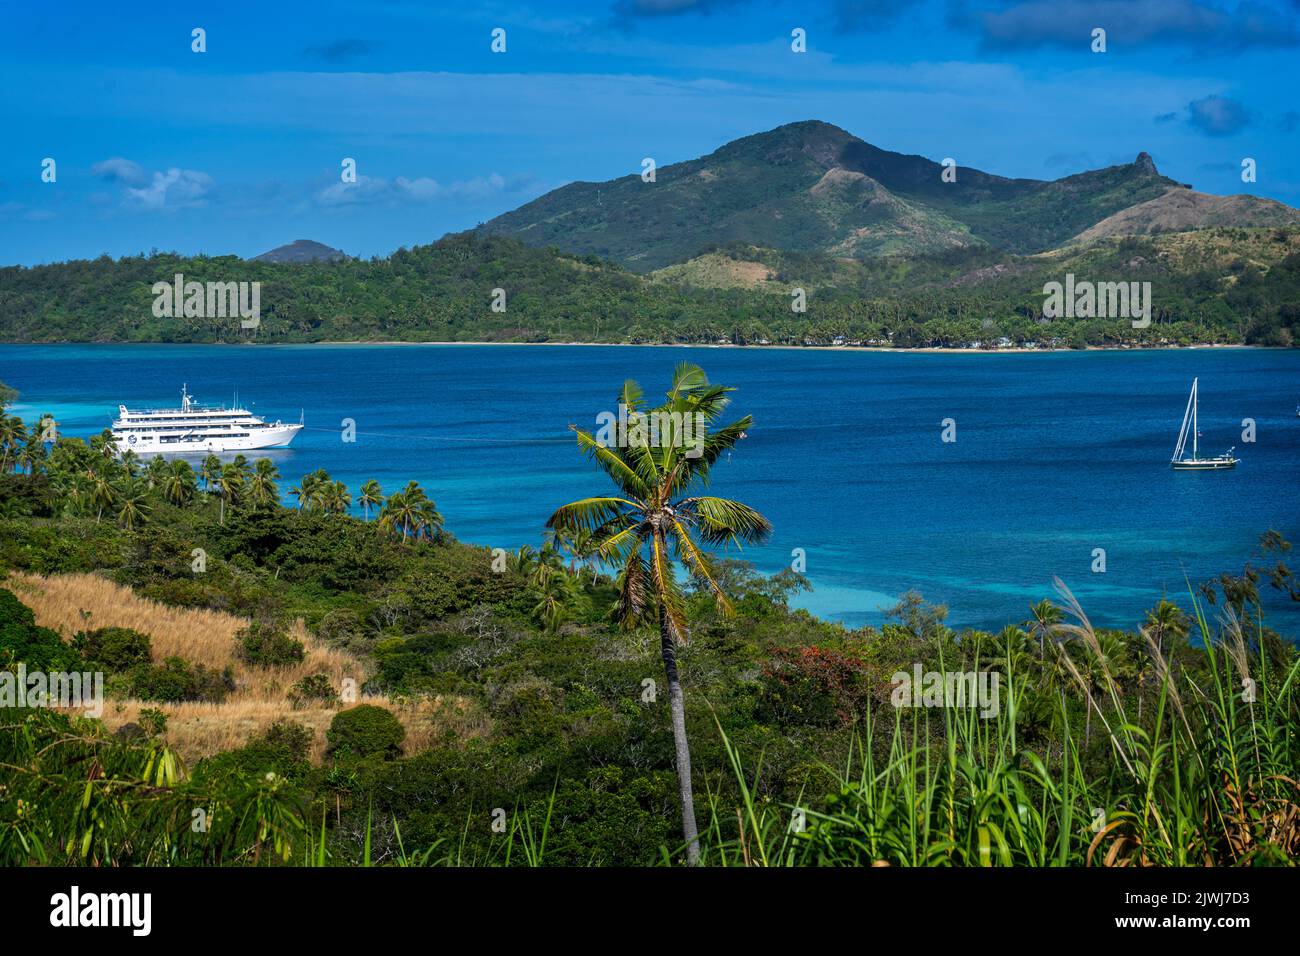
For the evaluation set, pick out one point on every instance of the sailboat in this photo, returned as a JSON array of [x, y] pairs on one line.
[[1196, 462]]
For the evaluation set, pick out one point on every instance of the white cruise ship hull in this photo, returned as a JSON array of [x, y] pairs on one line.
[[180, 442]]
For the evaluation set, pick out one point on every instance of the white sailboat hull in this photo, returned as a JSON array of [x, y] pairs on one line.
[[1205, 464]]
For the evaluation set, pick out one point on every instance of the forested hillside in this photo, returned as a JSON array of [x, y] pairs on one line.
[[1219, 285]]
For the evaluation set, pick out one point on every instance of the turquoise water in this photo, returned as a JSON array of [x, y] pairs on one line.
[[1057, 454]]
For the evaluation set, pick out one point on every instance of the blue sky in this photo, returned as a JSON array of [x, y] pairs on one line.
[[239, 149]]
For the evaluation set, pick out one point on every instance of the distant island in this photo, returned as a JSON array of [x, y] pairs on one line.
[[800, 236], [302, 250]]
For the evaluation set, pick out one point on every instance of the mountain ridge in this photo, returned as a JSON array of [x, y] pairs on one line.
[[812, 187]]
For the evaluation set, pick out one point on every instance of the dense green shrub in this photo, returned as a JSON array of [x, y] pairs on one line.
[[22, 640], [176, 680], [313, 687], [365, 731], [267, 645], [113, 649]]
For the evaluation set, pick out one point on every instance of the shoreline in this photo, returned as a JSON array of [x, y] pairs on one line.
[[925, 350], [1015, 350]]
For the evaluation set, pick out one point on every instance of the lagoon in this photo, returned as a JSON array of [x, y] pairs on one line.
[[1057, 454]]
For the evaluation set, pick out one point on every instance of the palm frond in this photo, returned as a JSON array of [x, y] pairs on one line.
[[588, 514], [632, 592], [700, 565], [666, 589], [722, 520], [630, 480]]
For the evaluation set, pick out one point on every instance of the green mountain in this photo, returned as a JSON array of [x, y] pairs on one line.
[[812, 187]]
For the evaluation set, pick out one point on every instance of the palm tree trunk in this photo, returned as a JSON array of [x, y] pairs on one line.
[[678, 710]]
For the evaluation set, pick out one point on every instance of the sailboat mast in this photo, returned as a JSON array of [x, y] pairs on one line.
[[1195, 425]]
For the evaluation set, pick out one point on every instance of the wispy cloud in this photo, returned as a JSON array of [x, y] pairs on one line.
[[345, 48], [119, 170], [368, 190], [1217, 115], [1135, 23]]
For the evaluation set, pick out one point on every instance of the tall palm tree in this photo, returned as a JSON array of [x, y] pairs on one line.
[[412, 512], [133, 503], [104, 445], [156, 471], [547, 563], [555, 597], [31, 454], [13, 433], [654, 516], [370, 496], [1166, 621], [397, 515], [1045, 617], [230, 484], [209, 471], [334, 498], [102, 493], [179, 485], [130, 463], [428, 519], [262, 491]]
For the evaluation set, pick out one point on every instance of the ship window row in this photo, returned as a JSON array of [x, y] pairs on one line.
[[188, 428]]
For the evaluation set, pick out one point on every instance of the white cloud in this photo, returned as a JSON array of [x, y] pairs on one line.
[[174, 189]]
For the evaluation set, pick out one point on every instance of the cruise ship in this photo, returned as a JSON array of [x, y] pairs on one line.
[[196, 428]]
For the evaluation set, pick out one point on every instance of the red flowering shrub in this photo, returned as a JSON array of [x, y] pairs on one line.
[[814, 685]]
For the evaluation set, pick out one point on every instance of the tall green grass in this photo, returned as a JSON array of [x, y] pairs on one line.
[[1209, 778]]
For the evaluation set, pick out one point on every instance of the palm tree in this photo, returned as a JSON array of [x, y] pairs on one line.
[[104, 445], [262, 491], [397, 514], [131, 462], [230, 487], [209, 471], [179, 485], [522, 560], [1045, 617], [370, 496], [555, 596], [133, 500], [428, 519], [13, 433], [102, 493], [156, 471], [29, 456], [312, 490], [1166, 620], [334, 498], [654, 516], [547, 563], [411, 511]]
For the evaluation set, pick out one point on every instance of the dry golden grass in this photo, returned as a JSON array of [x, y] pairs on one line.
[[196, 730]]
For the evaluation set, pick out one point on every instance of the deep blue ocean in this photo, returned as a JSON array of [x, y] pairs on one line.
[[1057, 454]]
